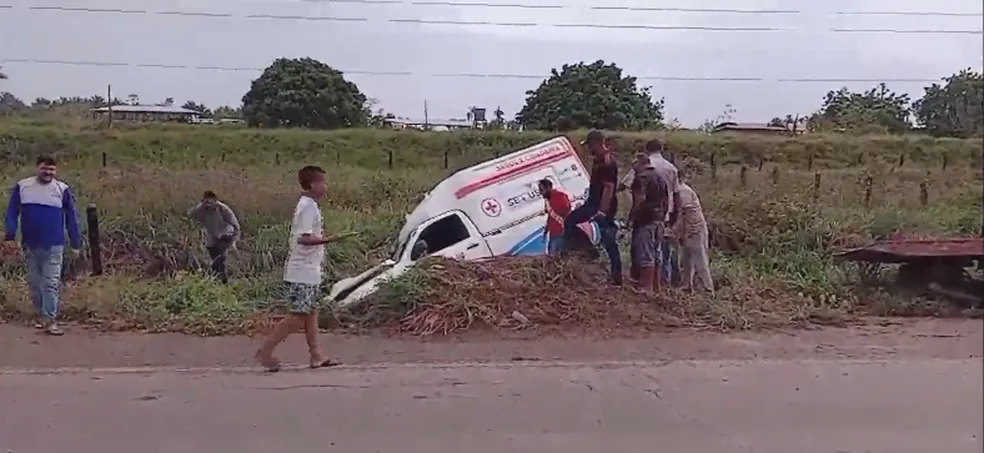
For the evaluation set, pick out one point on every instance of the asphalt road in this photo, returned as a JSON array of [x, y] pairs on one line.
[[828, 406]]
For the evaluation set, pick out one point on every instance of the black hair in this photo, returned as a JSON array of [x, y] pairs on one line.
[[209, 194], [546, 182], [595, 136], [654, 146], [306, 175], [46, 160]]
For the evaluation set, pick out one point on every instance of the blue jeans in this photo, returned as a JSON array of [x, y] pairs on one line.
[[608, 236], [555, 245], [44, 268], [668, 266]]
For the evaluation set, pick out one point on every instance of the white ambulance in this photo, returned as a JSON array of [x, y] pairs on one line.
[[488, 210]]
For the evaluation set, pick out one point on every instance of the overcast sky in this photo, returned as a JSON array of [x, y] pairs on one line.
[[804, 48]]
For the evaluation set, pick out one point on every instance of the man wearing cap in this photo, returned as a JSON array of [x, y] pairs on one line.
[[670, 176], [602, 204]]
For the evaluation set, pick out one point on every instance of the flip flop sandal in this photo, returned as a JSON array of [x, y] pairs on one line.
[[327, 363], [269, 365]]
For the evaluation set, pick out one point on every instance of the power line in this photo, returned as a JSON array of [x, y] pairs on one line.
[[545, 6], [908, 13], [497, 24], [465, 4], [470, 74], [911, 32]]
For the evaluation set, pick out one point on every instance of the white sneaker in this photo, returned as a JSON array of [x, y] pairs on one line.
[[53, 329]]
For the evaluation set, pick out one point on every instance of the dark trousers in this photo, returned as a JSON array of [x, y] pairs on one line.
[[608, 234], [217, 253]]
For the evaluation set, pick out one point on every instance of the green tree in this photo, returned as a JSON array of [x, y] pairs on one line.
[[200, 108], [954, 109], [498, 119], [790, 122], [10, 104], [594, 95], [877, 108], [377, 117], [228, 112], [304, 93]]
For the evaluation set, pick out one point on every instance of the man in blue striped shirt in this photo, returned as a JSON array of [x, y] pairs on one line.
[[44, 207]]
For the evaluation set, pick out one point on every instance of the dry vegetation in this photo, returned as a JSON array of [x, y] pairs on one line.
[[772, 234]]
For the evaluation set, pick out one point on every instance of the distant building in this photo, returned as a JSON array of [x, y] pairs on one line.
[[433, 125], [146, 113], [751, 128]]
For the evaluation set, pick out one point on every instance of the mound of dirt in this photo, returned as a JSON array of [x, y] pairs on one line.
[[446, 296]]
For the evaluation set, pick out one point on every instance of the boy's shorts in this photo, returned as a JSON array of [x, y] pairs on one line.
[[303, 298], [645, 244]]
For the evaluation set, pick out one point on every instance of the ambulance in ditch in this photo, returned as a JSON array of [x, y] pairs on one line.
[[488, 210]]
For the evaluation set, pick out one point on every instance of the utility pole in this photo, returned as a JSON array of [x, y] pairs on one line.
[[426, 118], [109, 105]]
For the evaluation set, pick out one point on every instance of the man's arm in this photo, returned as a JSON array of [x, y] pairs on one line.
[[230, 217], [610, 178], [310, 235], [196, 210], [71, 219], [627, 180], [306, 220], [12, 217], [546, 210], [638, 198], [677, 204]]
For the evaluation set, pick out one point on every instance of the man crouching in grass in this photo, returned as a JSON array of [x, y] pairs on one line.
[[303, 273]]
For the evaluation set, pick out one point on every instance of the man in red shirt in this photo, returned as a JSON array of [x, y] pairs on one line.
[[558, 207]]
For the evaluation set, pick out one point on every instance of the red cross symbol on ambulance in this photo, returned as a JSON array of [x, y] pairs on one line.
[[491, 207]]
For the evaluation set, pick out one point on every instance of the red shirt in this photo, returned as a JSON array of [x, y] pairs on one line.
[[558, 206]]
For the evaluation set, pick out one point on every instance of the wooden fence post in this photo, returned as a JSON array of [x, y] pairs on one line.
[[714, 167], [744, 176], [775, 175], [868, 183], [924, 193], [816, 185], [95, 250]]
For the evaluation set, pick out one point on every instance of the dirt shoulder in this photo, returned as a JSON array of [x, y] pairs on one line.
[[24, 347]]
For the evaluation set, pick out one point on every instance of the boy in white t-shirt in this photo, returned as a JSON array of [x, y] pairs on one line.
[[303, 273]]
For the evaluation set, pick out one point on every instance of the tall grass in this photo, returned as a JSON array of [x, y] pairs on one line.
[[776, 225]]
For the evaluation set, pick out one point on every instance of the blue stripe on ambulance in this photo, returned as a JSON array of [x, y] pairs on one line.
[[534, 244]]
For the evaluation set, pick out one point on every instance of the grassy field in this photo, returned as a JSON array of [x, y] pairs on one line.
[[774, 231]]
